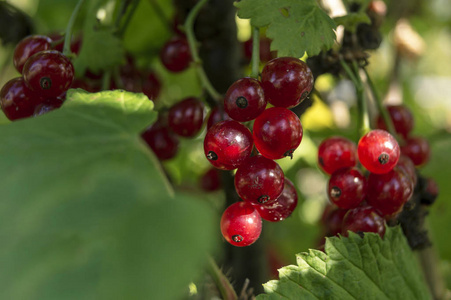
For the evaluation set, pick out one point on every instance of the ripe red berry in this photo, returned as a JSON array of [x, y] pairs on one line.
[[259, 180], [286, 81], [334, 221], [401, 117], [29, 46], [48, 73], [283, 207], [186, 117], [347, 188], [47, 106], [217, 114], [417, 149], [175, 54], [388, 192], [378, 151], [161, 140], [241, 224], [17, 101], [227, 144], [406, 165], [151, 86], [363, 219], [265, 49], [211, 180], [245, 100], [335, 153], [277, 132]]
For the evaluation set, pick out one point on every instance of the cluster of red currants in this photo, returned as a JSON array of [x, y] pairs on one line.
[[363, 203], [277, 132], [46, 76]]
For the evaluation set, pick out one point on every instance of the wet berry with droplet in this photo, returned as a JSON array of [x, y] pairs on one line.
[[378, 151], [185, 118], [335, 153], [277, 132], [241, 224], [259, 180], [245, 100], [228, 144], [163, 142], [29, 46], [17, 100], [175, 54], [417, 149], [363, 219], [287, 81], [347, 188], [401, 117]]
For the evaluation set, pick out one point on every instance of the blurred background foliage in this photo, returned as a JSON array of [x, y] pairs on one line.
[[412, 65]]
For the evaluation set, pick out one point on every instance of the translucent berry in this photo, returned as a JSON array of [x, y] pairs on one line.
[[335, 153], [175, 54], [401, 117], [277, 132], [363, 219], [16, 100], [378, 151], [227, 144], [245, 100], [347, 188], [211, 180], [286, 81], [241, 224], [186, 117], [161, 140], [417, 149], [29, 46]]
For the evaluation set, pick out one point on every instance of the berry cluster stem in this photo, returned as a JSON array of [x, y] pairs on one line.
[[222, 283], [189, 24], [69, 28], [255, 52]]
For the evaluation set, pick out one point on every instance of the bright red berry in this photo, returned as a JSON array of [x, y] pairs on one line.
[[17, 100], [161, 140], [401, 117], [417, 149], [259, 180], [227, 144], [241, 224], [378, 151], [175, 54], [277, 132], [186, 117], [347, 188], [363, 219], [245, 100], [29, 46], [335, 153], [287, 81]]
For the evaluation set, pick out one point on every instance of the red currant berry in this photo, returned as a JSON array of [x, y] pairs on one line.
[[388, 192], [161, 140], [401, 117], [186, 117], [175, 54], [244, 100], [277, 132], [429, 191], [227, 144], [48, 73], [417, 149], [265, 49], [363, 219], [211, 180], [283, 207], [241, 224], [47, 106], [334, 221], [378, 151], [287, 81], [259, 180], [29, 46], [335, 153], [347, 188], [406, 165], [217, 115], [16, 100], [151, 86]]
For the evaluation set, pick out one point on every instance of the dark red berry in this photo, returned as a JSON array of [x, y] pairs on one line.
[[241, 224], [286, 81], [211, 180], [227, 144], [29, 46], [47, 106], [406, 165], [378, 151], [217, 114], [334, 221], [161, 140], [363, 219], [245, 100], [48, 73], [175, 54], [277, 132], [151, 86], [265, 52], [417, 149], [283, 207], [186, 117], [401, 117], [347, 188], [259, 180], [17, 101], [335, 153]]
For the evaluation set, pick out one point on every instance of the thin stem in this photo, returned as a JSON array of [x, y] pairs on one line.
[[382, 109], [189, 24], [429, 264], [223, 284], [363, 116], [128, 18], [106, 80], [255, 52], [69, 28], [160, 14]]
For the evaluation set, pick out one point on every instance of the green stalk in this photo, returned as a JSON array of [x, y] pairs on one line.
[[69, 28], [363, 116], [128, 18], [382, 109], [222, 283], [193, 49], [255, 52], [160, 14]]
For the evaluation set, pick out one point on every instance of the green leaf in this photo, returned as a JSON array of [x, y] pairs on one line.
[[352, 20], [294, 26], [86, 212], [353, 268]]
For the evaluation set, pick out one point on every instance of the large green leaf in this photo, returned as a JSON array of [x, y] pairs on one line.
[[294, 26], [353, 268], [85, 211]]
